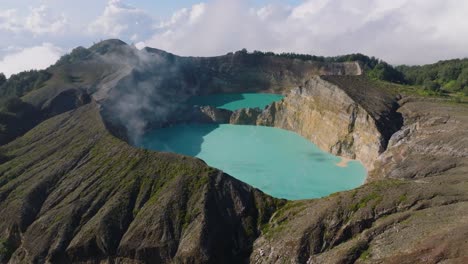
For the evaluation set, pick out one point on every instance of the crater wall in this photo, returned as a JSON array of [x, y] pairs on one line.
[[332, 117]]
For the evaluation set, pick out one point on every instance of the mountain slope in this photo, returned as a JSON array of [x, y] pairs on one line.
[[413, 210], [69, 191]]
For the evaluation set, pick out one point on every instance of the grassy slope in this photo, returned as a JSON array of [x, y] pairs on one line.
[[75, 192]]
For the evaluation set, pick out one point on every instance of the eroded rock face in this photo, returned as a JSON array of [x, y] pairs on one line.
[[413, 209], [329, 116], [246, 116], [326, 115], [434, 136], [209, 114]]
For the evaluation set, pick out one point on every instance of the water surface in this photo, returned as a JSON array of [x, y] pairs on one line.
[[278, 162], [236, 100]]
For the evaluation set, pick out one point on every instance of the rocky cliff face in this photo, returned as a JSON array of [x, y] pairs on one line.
[[141, 88], [326, 115], [332, 117], [331, 111], [412, 211], [434, 136]]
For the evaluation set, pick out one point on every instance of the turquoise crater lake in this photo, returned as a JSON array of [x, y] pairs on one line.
[[278, 162], [236, 101]]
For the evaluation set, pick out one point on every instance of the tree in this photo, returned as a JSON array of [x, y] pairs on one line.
[[3, 79], [462, 80], [449, 72], [13, 104], [21, 83], [431, 85], [78, 54], [386, 72]]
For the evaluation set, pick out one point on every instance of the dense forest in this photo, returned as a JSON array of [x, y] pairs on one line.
[[448, 76], [16, 116], [374, 67], [20, 84]]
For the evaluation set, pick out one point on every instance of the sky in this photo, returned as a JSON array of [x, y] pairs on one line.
[[35, 33]]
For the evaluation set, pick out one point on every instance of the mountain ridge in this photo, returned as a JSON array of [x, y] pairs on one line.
[[73, 190]]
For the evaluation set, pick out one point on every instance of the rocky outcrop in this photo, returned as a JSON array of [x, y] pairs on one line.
[[141, 88], [209, 114], [333, 117], [413, 210], [432, 141], [326, 115], [246, 116]]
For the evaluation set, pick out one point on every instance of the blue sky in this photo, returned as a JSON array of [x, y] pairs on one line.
[[34, 33]]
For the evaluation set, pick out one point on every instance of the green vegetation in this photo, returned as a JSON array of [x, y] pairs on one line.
[[449, 76], [284, 213], [445, 78], [77, 54], [403, 198], [291, 207], [385, 72], [375, 68], [359, 250], [365, 254], [366, 61], [22, 83], [6, 249], [103, 47], [365, 200], [16, 117], [3, 79]]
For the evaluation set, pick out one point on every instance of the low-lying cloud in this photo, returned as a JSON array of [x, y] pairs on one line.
[[38, 57]]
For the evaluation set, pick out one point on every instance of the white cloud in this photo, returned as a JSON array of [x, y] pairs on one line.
[[140, 45], [399, 31], [196, 12], [39, 20], [38, 57], [9, 20], [308, 8], [122, 21], [273, 12], [182, 17], [211, 29]]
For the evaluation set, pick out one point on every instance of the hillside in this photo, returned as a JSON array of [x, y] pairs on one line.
[[74, 190], [448, 76], [70, 191]]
